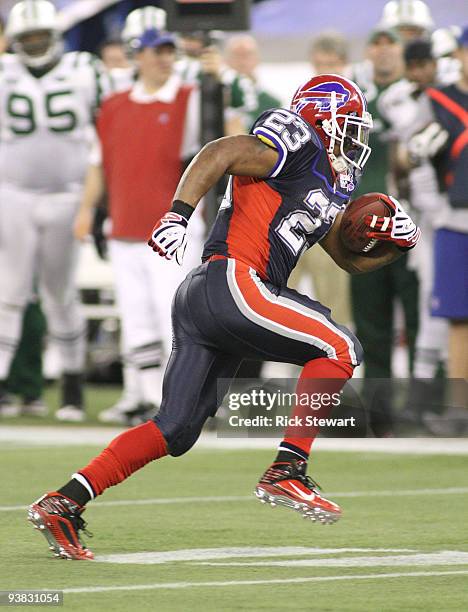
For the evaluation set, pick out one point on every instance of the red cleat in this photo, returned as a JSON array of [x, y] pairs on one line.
[[286, 484], [59, 520]]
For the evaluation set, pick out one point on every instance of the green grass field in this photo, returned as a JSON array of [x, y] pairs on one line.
[[404, 566]]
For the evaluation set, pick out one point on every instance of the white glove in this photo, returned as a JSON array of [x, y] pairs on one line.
[[169, 236], [427, 143], [399, 228]]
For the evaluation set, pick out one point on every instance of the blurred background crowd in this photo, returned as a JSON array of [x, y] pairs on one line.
[[103, 106]]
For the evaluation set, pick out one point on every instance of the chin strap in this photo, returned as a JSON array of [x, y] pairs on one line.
[[330, 126], [339, 164]]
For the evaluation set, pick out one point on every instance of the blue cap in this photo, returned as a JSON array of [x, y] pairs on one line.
[[153, 38], [463, 38]]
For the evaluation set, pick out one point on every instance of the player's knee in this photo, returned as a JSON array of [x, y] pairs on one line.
[[350, 352], [358, 351], [183, 444], [179, 437]]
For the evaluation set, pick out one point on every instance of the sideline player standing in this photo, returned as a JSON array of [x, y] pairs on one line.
[[25, 375], [373, 296], [47, 101], [247, 96], [286, 193], [445, 142], [329, 55]]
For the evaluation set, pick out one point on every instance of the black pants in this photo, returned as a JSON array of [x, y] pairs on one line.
[[222, 313]]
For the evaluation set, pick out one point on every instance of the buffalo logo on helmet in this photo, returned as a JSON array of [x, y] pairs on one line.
[[320, 96]]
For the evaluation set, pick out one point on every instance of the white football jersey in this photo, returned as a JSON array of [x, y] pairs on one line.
[[46, 123], [408, 112], [399, 107]]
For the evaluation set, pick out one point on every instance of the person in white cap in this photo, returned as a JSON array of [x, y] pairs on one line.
[[145, 135]]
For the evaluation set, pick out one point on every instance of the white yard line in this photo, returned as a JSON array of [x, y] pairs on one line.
[[242, 498], [229, 583], [37, 436], [444, 557], [402, 492], [200, 555]]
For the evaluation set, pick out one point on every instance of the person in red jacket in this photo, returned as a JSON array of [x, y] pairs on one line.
[[144, 136]]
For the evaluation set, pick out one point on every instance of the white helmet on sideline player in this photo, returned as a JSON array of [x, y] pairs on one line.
[[35, 17], [406, 13], [140, 20], [445, 40]]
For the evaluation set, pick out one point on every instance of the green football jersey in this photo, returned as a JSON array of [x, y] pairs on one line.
[[375, 174], [248, 98]]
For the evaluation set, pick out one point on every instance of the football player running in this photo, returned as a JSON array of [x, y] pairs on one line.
[[47, 102], [291, 179]]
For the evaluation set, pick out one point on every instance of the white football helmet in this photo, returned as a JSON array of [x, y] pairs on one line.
[[414, 13], [30, 17], [140, 20], [445, 40]]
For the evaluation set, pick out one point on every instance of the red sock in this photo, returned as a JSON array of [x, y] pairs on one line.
[[320, 376], [127, 453]]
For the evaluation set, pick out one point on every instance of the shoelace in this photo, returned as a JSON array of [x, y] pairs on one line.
[[307, 481], [292, 471], [80, 525], [310, 483], [63, 507]]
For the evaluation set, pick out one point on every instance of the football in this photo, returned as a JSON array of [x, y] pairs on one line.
[[353, 230]]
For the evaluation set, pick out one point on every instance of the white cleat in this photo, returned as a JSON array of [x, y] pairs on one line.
[[9, 411], [118, 413], [124, 413], [8, 406], [70, 414]]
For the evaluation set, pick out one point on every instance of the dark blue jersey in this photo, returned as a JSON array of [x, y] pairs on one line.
[[268, 223], [450, 105]]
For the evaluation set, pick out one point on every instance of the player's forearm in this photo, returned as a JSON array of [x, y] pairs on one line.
[[94, 188], [351, 262], [357, 264]]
